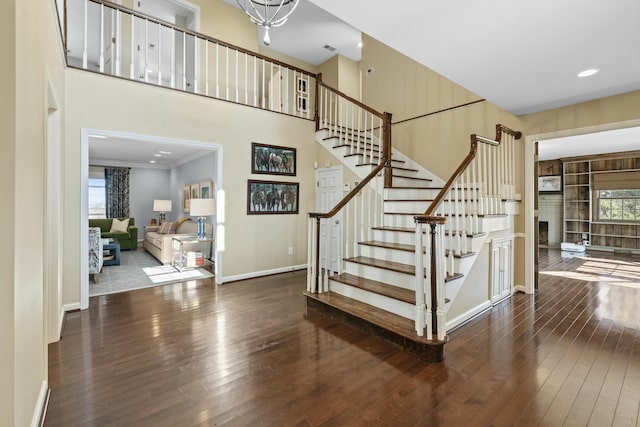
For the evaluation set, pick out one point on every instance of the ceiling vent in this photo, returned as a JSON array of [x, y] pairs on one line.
[[329, 48]]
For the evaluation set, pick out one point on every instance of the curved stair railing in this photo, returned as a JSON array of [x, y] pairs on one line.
[[478, 187], [367, 134]]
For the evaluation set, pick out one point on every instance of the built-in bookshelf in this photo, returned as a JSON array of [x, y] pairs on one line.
[[577, 201], [580, 218]]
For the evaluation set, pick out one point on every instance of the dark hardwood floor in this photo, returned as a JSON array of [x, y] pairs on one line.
[[246, 354]]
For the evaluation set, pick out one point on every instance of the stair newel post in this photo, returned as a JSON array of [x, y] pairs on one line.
[[438, 248], [327, 257], [346, 224], [356, 251], [388, 176], [421, 309], [435, 273], [458, 217]]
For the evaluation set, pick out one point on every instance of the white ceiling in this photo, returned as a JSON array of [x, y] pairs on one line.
[[139, 152], [308, 30]]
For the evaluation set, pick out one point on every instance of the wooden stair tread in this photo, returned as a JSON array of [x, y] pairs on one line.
[[376, 164], [422, 213], [413, 230], [413, 178], [376, 287], [405, 247], [393, 266]]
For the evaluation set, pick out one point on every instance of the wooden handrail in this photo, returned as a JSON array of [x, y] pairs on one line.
[[199, 35], [350, 195], [475, 139], [352, 100]]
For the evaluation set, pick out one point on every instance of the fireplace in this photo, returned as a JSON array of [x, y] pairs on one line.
[[543, 232]]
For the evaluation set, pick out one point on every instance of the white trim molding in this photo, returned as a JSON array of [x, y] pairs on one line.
[[255, 274], [39, 411]]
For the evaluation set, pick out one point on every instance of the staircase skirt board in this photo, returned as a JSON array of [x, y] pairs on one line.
[[378, 323]]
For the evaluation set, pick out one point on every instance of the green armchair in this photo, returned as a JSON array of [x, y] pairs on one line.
[[128, 240]]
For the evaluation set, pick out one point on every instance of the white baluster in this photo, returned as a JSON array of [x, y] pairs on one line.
[[462, 233], [184, 61], [145, 72], [101, 60], [236, 82], [118, 44], [286, 96], [226, 73], [264, 101], [440, 286], [347, 223], [255, 81], [246, 79], [85, 36], [217, 70], [159, 55], [173, 58], [196, 65], [356, 250], [206, 67]]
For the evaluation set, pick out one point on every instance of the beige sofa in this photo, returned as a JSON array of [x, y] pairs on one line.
[[160, 245]]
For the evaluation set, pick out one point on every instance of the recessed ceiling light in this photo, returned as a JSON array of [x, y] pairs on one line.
[[587, 73], [359, 44], [157, 155], [164, 152], [97, 136], [152, 161]]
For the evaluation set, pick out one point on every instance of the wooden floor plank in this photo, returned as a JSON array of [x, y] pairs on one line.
[[247, 354]]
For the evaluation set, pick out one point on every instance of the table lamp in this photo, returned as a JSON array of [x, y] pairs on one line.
[[162, 206], [202, 208]]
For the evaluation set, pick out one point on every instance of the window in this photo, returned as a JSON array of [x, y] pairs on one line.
[[619, 205], [97, 195]]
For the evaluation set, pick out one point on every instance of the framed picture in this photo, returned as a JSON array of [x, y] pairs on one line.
[[273, 160], [186, 197], [271, 197], [195, 191], [550, 184], [303, 84], [206, 190], [302, 104]]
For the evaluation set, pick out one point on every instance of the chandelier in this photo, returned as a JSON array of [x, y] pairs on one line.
[[268, 13]]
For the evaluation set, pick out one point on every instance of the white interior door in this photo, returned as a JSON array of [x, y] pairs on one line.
[[329, 185]]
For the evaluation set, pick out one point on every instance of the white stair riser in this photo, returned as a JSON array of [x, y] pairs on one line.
[[388, 304], [405, 257], [494, 223], [417, 193], [452, 288], [399, 181], [474, 244], [412, 206], [391, 220], [381, 275], [386, 254]]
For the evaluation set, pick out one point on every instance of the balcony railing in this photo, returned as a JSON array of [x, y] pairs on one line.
[[107, 38]]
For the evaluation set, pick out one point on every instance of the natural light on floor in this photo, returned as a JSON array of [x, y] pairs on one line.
[[165, 273], [611, 271]]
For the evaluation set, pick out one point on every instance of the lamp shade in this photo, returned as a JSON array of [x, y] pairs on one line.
[[162, 205], [202, 207]]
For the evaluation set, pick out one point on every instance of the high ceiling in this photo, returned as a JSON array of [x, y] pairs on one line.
[[521, 56]]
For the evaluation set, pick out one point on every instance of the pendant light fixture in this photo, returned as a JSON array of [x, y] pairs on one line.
[[268, 13]]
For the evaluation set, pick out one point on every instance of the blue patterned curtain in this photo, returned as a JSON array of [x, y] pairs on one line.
[[116, 188]]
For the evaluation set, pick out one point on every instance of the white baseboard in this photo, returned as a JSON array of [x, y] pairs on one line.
[[464, 317], [519, 288], [71, 307], [262, 273], [38, 411]]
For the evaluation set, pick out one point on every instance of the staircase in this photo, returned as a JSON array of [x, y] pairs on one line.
[[376, 288]]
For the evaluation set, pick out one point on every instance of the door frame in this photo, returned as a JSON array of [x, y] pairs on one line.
[[531, 244], [84, 199]]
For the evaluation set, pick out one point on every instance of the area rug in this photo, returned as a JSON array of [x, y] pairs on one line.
[[137, 270]]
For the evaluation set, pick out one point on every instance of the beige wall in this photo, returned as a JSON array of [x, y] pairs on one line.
[[343, 74], [253, 243], [7, 215], [408, 89], [604, 111], [32, 62]]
